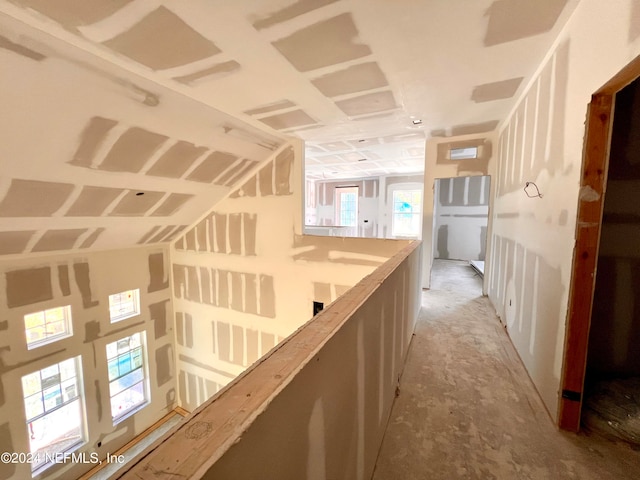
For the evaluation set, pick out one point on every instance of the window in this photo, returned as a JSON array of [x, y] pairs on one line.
[[127, 378], [463, 153], [347, 206], [54, 410], [406, 213], [124, 305], [47, 326]]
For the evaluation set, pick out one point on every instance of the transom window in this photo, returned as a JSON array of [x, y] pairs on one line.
[[127, 377], [465, 153], [406, 213], [54, 410], [47, 326], [124, 305], [347, 206]]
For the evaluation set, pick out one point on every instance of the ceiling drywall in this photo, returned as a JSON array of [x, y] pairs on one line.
[[179, 100]]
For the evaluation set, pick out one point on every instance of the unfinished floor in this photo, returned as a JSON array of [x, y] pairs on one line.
[[467, 408]]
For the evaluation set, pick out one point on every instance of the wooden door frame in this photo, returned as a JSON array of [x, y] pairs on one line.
[[595, 165]]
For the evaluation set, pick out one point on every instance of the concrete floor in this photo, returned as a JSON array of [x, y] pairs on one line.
[[467, 409]]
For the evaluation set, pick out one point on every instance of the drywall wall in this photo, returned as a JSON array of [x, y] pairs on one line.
[[318, 406], [368, 216], [461, 217], [438, 164], [374, 203], [84, 281], [82, 137], [615, 321], [541, 141], [244, 279]]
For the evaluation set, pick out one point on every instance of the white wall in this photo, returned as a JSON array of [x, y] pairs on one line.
[[542, 141], [461, 212]]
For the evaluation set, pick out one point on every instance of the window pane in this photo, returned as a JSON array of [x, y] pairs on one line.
[[69, 390], [55, 328], [136, 358], [54, 314], [52, 397], [33, 406], [50, 376], [348, 208], [127, 400], [47, 325], [55, 432], [54, 414], [406, 213], [112, 350], [125, 382], [134, 341], [34, 319], [35, 334], [113, 369], [127, 387], [68, 369], [124, 305], [31, 383], [124, 364], [123, 345]]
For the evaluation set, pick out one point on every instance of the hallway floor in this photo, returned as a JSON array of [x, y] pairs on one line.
[[467, 409]]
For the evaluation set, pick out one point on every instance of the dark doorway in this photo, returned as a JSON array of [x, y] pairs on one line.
[[612, 382], [608, 355]]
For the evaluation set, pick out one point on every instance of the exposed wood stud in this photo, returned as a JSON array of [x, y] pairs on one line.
[[588, 226]]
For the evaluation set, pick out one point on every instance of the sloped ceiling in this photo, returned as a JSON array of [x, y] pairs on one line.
[[106, 99]]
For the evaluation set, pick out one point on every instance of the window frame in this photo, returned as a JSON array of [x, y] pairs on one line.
[[464, 153], [406, 188], [128, 314], [76, 380], [142, 369], [67, 321], [339, 192]]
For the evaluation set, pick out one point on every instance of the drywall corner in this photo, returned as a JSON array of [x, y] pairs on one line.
[[298, 184]]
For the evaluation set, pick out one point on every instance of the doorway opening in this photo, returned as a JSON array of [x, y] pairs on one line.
[[460, 216], [601, 370]]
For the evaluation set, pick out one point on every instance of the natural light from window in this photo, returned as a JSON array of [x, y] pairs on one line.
[[54, 410], [47, 326], [347, 206], [466, 153], [127, 376], [124, 305], [406, 213]]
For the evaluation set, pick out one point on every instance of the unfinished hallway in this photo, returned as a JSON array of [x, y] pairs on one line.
[[160, 163], [467, 409]]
